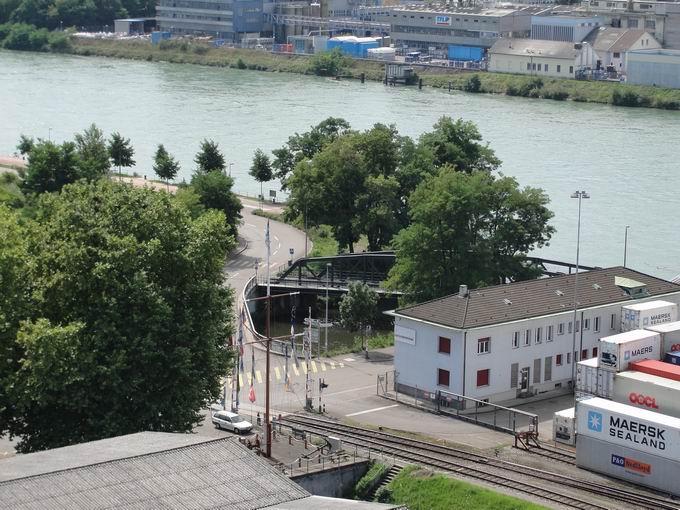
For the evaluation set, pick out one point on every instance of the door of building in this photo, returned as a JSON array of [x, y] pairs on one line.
[[524, 380]]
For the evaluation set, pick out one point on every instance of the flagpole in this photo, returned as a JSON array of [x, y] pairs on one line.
[[268, 428]]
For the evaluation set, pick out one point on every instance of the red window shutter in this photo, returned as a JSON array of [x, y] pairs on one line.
[[594, 352], [584, 354], [443, 377], [444, 345], [483, 377]]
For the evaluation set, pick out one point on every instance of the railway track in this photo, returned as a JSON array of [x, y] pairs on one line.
[[495, 471], [553, 454]]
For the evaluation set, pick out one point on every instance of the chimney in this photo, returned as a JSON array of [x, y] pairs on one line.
[[463, 291]]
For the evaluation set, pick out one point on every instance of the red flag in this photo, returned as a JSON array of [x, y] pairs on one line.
[[251, 395]]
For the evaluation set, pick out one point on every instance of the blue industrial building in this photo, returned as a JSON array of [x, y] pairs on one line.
[[352, 46]]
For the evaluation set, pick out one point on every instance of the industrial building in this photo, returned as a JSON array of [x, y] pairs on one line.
[[563, 28], [223, 19], [437, 27], [612, 45], [509, 342], [659, 67], [540, 58]]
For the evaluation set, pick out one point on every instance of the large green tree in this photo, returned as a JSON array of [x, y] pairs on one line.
[[261, 169], [128, 319], [121, 152], [472, 229], [164, 165], [51, 167], [209, 157], [214, 190], [358, 309], [93, 153]]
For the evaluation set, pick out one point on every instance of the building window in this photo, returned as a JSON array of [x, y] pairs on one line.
[[586, 324], [444, 345], [539, 335], [650, 24], [527, 337], [483, 377], [528, 66], [569, 327], [594, 352], [596, 325], [617, 55], [549, 334], [560, 328], [545, 67], [483, 345], [612, 322], [571, 69], [568, 358], [559, 68], [578, 326], [443, 377], [515, 340], [632, 23], [584, 354], [558, 360]]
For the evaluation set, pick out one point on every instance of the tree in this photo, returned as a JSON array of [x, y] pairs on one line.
[[93, 155], [378, 209], [328, 63], [164, 165], [128, 322], [51, 167], [261, 169], [25, 145], [209, 157], [121, 152], [188, 198], [456, 143], [358, 309], [214, 190], [471, 229]]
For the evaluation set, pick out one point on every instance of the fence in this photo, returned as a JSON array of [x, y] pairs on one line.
[[472, 410]]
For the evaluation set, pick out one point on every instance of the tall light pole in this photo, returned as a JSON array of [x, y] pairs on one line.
[[230, 165], [580, 195], [625, 245], [328, 270]]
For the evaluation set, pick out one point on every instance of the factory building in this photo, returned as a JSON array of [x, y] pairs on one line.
[[509, 342]]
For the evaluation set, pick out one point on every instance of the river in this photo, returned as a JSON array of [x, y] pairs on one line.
[[627, 159]]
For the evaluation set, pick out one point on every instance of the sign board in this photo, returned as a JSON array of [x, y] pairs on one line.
[[442, 20], [405, 335]]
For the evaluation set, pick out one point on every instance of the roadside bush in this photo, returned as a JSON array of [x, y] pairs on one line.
[[627, 98], [328, 63], [473, 84]]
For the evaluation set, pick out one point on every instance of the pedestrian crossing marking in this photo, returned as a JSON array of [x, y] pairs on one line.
[[278, 373], [323, 366], [332, 364], [250, 379], [297, 372], [240, 380], [314, 367], [259, 376], [342, 365], [304, 368]]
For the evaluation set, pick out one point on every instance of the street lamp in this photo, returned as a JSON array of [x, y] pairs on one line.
[[625, 245], [328, 270], [230, 165], [580, 195]]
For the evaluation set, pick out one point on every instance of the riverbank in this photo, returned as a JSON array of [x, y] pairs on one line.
[[443, 78]]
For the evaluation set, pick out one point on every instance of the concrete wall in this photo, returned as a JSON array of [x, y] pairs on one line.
[[333, 482]]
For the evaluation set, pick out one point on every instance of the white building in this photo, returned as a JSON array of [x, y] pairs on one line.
[[611, 45], [556, 27], [512, 341], [539, 58]]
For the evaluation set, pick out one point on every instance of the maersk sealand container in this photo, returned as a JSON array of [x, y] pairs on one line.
[[473, 53]]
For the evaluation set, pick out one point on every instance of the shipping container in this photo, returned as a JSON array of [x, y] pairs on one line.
[[659, 368], [670, 335], [632, 427], [564, 426], [646, 315], [617, 351], [648, 391], [672, 358], [473, 53], [592, 380], [628, 464]]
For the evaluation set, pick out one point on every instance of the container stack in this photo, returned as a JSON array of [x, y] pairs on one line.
[[647, 315], [564, 426], [670, 335], [593, 381], [617, 351], [629, 443]]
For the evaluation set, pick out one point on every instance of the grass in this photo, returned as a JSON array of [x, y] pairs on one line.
[[183, 52], [421, 489], [270, 215], [379, 341], [375, 473]]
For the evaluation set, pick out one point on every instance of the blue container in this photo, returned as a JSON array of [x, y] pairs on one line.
[[472, 53], [673, 358]]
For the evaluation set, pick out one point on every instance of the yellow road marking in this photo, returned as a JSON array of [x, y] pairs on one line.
[[259, 376], [278, 373], [342, 365], [323, 366], [314, 367], [295, 370], [332, 364], [250, 379], [240, 380], [304, 368]]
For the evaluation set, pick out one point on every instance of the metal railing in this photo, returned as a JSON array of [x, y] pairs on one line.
[[472, 410]]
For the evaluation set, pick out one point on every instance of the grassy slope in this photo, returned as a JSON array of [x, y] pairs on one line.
[[495, 83], [421, 490]]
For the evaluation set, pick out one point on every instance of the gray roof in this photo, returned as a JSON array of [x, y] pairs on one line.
[[534, 298], [536, 48], [610, 39], [199, 474]]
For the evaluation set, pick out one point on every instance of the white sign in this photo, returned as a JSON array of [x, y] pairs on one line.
[[405, 335]]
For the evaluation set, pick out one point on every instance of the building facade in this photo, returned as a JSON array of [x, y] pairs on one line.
[[563, 28], [224, 19], [507, 342], [612, 45], [439, 26], [539, 58], [659, 67]]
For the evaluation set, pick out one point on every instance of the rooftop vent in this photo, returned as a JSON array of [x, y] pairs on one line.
[[463, 291], [559, 292], [507, 301], [597, 286]]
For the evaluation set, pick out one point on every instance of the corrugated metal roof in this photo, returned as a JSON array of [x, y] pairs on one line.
[[218, 474], [534, 298]]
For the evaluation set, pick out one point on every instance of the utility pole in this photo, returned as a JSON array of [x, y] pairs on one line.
[[580, 195], [325, 333], [308, 356], [625, 245]]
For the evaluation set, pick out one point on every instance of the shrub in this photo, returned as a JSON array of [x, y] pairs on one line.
[[200, 49], [667, 104], [376, 473], [59, 42], [26, 37], [240, 64], [473, 84], [328, 63], [627, 98], [557, 95]]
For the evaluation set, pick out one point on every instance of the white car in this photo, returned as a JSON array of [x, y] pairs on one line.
[[231, 421]]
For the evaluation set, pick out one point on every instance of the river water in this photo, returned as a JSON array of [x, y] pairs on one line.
[[627, 159]]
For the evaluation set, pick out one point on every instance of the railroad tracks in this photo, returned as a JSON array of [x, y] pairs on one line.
[[553, 454], [524, 479]]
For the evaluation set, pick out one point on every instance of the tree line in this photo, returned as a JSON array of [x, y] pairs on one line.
[[114, 314], [439, 201]]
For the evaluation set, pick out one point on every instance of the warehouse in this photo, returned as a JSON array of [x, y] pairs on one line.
[[510, 342]]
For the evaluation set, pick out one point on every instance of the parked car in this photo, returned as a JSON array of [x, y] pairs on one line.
[[231, 421]]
